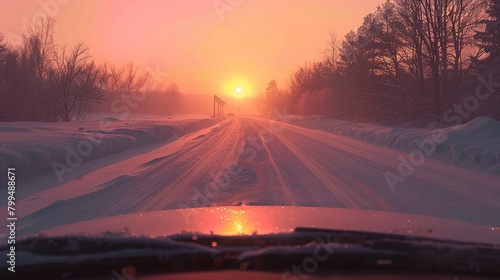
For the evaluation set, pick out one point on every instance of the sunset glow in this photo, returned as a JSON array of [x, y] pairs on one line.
[[198, 45], [249, 139], [239, 88], [235, 222]]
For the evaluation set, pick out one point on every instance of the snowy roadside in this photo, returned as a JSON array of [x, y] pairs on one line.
[[474, 145], [35, 148]]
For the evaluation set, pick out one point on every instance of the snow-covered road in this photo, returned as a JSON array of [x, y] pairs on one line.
[[259, 162]]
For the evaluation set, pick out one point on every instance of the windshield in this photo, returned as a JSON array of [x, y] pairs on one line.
[[240, 118]]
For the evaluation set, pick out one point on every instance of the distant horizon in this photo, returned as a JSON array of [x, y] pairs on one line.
[[191, 44]]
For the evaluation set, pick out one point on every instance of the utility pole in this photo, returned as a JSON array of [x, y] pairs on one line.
[[220, 105]]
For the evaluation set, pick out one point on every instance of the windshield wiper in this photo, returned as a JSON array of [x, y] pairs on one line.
[[354, 236], [356, 249], [85, 256], [73, 256]]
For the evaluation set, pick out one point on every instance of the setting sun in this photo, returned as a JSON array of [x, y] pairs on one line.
[[238, 92], [238, 88]]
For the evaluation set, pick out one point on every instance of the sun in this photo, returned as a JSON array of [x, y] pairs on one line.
[[238, 92], [239, 88]]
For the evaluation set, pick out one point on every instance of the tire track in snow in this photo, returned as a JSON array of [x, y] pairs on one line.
[[280, 173], [159, 186], [297, 167], [329, 181], [435, 189]]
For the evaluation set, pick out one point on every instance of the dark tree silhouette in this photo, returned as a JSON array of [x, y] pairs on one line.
[[489, 39]]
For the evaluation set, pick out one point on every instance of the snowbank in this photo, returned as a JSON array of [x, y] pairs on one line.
[[474, 145], [33, 148]]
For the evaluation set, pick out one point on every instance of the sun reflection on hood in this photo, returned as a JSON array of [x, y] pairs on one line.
[[250, 220]]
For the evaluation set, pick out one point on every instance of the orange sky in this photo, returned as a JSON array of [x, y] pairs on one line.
[[193, 44]]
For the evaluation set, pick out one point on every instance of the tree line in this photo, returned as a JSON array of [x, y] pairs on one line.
[[43, 81], [410, 61]]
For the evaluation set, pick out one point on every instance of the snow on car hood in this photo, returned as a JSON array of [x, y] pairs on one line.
[[243, 220]]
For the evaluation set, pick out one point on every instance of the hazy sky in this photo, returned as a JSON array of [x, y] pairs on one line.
[[205, 46]]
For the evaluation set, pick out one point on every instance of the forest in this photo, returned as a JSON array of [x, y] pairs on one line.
[[411, 61], [43, 81]]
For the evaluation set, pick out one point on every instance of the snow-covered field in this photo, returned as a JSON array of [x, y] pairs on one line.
[[150, 164], [474, 145], [36, 148]]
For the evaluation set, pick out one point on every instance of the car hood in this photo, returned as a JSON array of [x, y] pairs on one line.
[[244, 220]]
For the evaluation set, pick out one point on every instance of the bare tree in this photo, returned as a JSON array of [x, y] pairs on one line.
[[39, 49], [132, 80], [88, 90], [113, 78], [440, 33], [69, 67], [332, 51], [3, 83]]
